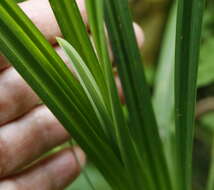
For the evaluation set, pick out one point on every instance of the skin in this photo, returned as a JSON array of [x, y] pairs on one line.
[[27, 129]]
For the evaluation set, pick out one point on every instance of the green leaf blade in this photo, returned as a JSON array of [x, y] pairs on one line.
[[141, 114], [189, 22]]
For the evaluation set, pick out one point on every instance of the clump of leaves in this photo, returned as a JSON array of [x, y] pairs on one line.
[[128, 150]]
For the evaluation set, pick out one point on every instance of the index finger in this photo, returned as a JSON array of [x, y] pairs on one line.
[[41, 14]]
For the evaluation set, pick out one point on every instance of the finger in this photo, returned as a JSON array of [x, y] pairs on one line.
[[54, 173], [42, 16], [25, 139], [16, 96]]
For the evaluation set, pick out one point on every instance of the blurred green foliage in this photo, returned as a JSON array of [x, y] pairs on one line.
[[206, 76]]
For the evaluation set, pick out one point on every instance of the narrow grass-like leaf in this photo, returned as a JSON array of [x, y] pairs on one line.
[[96, 22], [74, 31], [163, 99], [142, 121], [42, 68], [69, 20], [90, 87], [131, 159], [95, 17], [189, 23]]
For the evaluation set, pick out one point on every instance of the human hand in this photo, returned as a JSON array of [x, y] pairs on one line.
[[27, 129]]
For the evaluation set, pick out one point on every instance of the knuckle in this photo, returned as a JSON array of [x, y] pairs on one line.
[[42, 116], [44, 123]]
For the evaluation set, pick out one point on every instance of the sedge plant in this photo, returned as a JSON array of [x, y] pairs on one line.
[[126, 147]]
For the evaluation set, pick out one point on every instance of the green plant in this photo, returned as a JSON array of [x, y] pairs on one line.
[[136, 156]]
